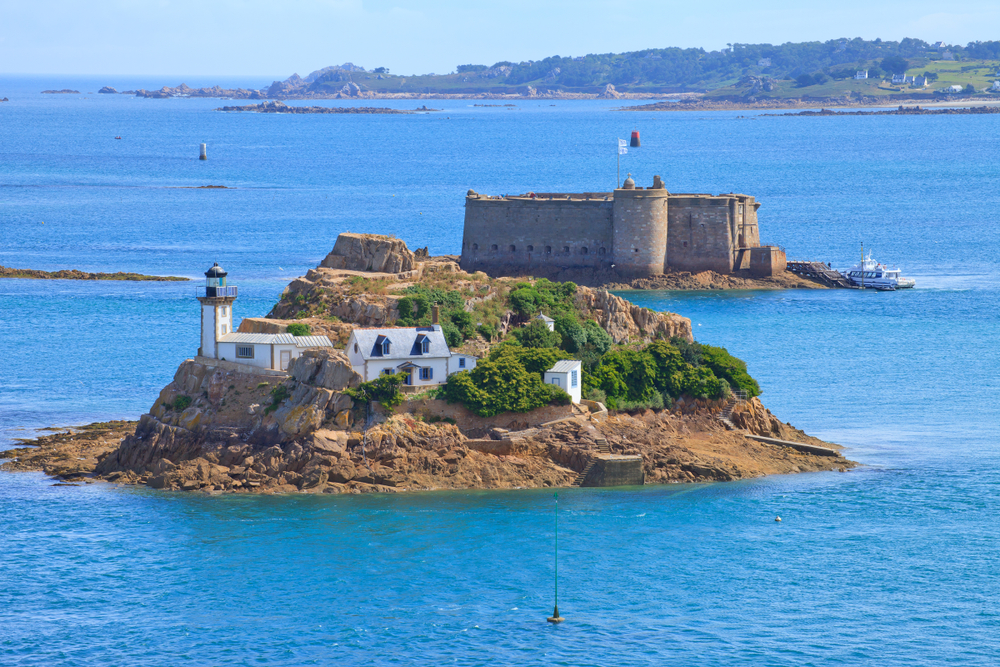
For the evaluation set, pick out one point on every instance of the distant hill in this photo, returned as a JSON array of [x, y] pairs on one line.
[[664, 70]]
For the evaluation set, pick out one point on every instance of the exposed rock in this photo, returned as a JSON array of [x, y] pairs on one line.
[[626, 321], [369, 252], [609, 93], [107, 90]]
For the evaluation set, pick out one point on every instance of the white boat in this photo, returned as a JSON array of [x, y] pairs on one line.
[[870, 274]]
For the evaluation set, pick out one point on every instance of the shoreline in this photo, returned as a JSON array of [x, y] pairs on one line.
[[75, 274]]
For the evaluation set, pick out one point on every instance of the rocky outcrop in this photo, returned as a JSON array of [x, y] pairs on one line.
[[281, 107], [625, 321], [107, 90], [369, 252], [609, 93]]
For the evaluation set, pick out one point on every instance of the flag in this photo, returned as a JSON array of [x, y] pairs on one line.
[[622, 150], [622, 143]]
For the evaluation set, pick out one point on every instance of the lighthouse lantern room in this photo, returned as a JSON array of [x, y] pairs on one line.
[[216, 310]]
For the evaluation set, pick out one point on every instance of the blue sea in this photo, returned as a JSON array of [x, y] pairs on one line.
[[894, 563]]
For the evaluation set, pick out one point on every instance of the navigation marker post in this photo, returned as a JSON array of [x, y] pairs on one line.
[[555, 617], [622, 150]]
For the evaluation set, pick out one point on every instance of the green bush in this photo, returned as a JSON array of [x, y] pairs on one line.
[[594, 394], [464, 322], [727, 367], [574, 336], [384, 389], [488, 332], [625, 375], [597, 337], [537, 334], [181, 403], [298, 329], [278, 394], [496, 386], [451, 334], [558, 395], [534, 359]]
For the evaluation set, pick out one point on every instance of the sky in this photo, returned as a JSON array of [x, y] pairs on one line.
[[274, 38]]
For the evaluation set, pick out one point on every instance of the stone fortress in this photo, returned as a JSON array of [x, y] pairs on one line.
[[629, 233]]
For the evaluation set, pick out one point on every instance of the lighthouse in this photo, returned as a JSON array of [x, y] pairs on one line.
[[216, 311]]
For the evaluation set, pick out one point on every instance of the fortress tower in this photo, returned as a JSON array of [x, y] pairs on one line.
[[216, 311], [639, 229]]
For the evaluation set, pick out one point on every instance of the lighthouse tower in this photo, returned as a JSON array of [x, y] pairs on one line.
[[216, 311]]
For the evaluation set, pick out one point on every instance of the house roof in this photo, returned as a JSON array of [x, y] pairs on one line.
[[402, 342], [564, 366], [545, 318], [277, 339]]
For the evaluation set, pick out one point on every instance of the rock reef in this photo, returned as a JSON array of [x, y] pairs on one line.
[[73, 274], [280, 107]]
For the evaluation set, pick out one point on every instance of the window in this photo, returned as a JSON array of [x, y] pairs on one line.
[[572, 378], [548, 250], [555, 381], [355, 347], [424, 345], [426, 373], [475, 246], [493, 247], [386, 371], [583, 250], [461, 362], [635, 250], [566, 249], [244, 351], [225, 329], [385, 346], [511, 248], [531, 248], [601, 251], [741, 209]]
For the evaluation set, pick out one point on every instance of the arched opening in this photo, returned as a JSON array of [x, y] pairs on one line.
[[475, 246], [566, 249], [583, 250], [511, 248], [493, 247], [531, 248], [548, 250], [601, 251]]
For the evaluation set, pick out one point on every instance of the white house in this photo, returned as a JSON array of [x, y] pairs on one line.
[[274, 351], [947, 55], [218, 341], [549, 322], [421, 353], [955, 89], [566, 374], [861, 74], [996, 85], [898, 78], [764, 62]]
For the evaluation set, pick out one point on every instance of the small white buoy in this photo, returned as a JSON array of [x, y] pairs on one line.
[[204, 152], [778, 519]]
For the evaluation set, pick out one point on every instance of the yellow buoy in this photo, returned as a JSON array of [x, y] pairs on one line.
[[778, 519]]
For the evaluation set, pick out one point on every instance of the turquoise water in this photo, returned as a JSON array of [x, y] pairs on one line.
[[894, 563]]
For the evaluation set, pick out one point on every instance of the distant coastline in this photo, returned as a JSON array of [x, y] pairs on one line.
[[280, 107], [74, 274]]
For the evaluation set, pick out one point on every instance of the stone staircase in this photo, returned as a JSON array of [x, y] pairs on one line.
[[603, 448], [737, 397]]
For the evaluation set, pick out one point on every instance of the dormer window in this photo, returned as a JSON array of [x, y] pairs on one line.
[[385, 347]]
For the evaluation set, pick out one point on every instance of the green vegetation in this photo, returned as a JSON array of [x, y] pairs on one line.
[[181, 403], [509, 380], [278, 394], [692, 69], [385, 389], [298, 329]]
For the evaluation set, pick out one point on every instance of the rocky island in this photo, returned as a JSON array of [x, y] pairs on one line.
[[74, 274], [657, 407], [281, 107]]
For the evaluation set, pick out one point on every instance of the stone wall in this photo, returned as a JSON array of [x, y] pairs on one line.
[[626, 233], [524, 234], [615, 470]]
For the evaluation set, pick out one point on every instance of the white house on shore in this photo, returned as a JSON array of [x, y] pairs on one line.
[[421, 353], [566, 374], [219, 341], [861, 74]]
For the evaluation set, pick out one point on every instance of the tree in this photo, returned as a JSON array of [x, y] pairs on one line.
[[970, 89], [574, 336], [381, 70], [298, 329], [895, 64], [496, 386], [537, 334], [463, 69], [598, 337]]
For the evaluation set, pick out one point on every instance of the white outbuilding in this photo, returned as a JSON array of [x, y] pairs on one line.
[[566, 374], [549, 322], [219, 341], [421, 353]]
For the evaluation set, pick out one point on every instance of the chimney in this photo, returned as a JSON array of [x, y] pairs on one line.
[[434, 314]]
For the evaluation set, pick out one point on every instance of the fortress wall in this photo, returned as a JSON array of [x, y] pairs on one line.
[[526, 234], [640, 232], [700, 234]]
